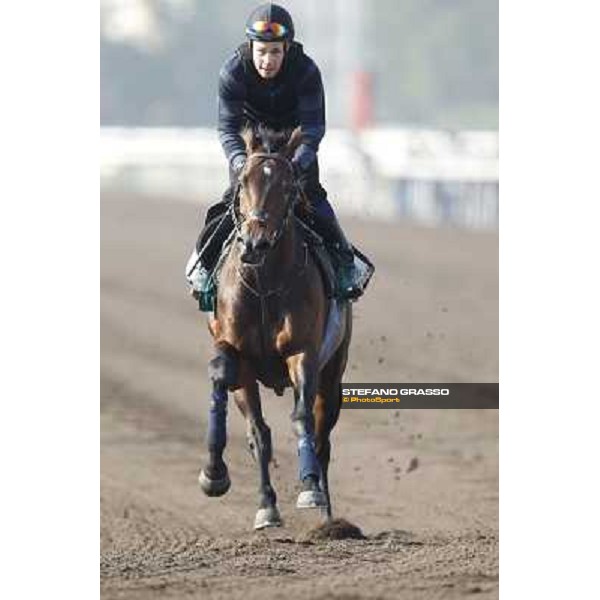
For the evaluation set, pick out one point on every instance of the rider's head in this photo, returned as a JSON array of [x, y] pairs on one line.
[[270, 29]]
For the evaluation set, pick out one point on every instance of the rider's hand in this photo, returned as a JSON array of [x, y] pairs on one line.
[[237, 166], [303, 159]]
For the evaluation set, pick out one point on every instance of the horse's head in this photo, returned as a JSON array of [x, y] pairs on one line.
[[268, 191]]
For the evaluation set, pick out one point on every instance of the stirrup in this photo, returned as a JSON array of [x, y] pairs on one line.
[[347, 287], [353, 292], [352, 279]]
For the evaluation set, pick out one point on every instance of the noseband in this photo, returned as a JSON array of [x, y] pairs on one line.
[[239, 219]]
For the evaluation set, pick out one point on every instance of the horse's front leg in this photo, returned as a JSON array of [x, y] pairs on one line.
[[223, 369], [259, 440], [303, 370]]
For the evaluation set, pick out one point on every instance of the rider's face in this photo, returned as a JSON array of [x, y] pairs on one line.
[[268, 58]]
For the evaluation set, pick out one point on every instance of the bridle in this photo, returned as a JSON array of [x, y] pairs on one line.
[[259, 290], [239, 219]]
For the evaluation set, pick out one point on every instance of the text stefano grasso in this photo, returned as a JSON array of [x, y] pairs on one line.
[[396, 392]]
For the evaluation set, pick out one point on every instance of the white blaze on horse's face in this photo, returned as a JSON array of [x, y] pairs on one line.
[[263, 209], [264, 202]]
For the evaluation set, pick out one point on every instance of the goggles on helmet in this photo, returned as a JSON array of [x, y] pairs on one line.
[[267, 29]]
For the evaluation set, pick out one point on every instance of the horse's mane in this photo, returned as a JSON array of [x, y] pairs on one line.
[[264, 139]]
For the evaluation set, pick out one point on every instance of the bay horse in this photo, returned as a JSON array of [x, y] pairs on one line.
[[273, 323]]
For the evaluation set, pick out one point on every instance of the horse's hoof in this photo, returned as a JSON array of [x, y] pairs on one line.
[[214, 487], [311, 499], [267, 517]]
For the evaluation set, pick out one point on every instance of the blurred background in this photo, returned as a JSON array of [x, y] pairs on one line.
[[411, 90]]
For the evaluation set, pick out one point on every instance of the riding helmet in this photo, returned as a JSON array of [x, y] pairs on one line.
[[270, 23]]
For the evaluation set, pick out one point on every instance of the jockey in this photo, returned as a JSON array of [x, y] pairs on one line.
[[270, 81]]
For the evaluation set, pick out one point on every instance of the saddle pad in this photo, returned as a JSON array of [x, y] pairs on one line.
[[323, 261], [335, 330]]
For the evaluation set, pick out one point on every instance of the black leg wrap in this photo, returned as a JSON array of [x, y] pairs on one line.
[[214, 478], [223, 369]]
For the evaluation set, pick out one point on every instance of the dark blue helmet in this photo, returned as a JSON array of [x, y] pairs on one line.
[[270, 23]]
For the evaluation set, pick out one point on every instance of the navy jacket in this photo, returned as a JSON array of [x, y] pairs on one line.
[[294, 97]]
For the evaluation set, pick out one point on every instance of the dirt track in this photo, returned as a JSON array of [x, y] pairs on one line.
[[432, 531]]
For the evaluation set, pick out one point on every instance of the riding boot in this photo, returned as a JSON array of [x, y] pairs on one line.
[[342, 254], [199, 271], [200, 279], [347, 285]]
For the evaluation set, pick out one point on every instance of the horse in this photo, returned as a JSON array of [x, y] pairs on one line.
[[275, 324]]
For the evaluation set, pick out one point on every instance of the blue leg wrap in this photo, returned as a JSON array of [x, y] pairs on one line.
[[217, 420], [323, 208], [307, 457]]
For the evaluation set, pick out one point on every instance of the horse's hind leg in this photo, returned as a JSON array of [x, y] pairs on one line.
[[323, 427], [247, 399], [328, 403], [303, 373], [323, 454], [326, 412]]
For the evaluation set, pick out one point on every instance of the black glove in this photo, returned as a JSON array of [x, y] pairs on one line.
[[238, 164], [303, 158]]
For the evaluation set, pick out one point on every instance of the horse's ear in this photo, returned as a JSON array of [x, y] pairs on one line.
[[293, 143], [251, 140]]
